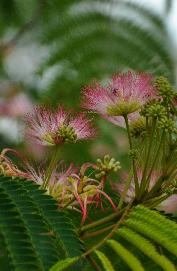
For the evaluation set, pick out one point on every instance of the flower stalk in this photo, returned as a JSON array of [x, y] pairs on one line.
[[132, 100], [147, 160], [133, 159], [51, 168]]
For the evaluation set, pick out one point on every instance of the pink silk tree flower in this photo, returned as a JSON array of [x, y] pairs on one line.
[[124, 95], [71, 188], [86, 191], [16, 105], [8, 168], [169, 205], [19, 105], [53, 128]]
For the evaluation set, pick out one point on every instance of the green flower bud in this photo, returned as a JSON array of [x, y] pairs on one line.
[[167, 124], [164, 88], [155, 110], [107, 165], [138, 127], [133, 153]]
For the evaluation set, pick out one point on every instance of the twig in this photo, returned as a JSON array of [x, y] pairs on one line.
[[93, 263]]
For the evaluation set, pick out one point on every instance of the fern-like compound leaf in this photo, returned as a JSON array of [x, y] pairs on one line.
[[137, 221], [35, 233], [147, 248], [153, 217], [60, 224]]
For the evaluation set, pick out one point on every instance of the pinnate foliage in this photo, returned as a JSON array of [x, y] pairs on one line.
[[36, 235], [135, 245], [44, 236]]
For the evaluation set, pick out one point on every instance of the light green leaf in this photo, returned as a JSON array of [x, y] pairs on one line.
[[105, 261], [62, 265]]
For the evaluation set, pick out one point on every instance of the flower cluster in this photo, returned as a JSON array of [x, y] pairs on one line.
[[50, 128], [70, 186], [146, 107], [124, 95]]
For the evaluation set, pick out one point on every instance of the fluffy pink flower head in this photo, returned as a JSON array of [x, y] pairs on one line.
[[125, 94], [52, 128]]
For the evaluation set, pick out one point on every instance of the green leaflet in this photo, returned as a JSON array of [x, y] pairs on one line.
[[105, 261], [44, 236], [147, 248], [62, 265], [152, 233], [36, 234], [19, 246], [156, 232], [57, 221], [127, 256], [169, 227]]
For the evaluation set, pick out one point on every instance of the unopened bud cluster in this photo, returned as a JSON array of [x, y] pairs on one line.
[[138, 127], [154, 110], [107, 165], [168, 125], [164, 88], [133, 153]]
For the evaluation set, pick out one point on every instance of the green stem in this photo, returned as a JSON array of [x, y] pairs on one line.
[[127, 185], [133, 159], [170, 158], [67, 204], [156, 187], [101, 221], [93, 263], [95, 233], [147, 182], [171, 170], [117, 225], [172, 175], [158, 184], [143, 184], [50, 169], [155, 201]]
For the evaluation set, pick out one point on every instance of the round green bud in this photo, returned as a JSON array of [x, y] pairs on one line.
[[164, 88], [154, 110], [167, 124], [107, 165], [138, 127], [133, 153]]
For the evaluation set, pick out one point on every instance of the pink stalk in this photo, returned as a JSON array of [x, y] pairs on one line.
[[108, 198]]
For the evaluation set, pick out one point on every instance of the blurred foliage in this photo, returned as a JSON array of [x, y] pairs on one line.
[[85, 40]]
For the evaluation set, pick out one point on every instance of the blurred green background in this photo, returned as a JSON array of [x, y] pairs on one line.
[[50, 49]]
